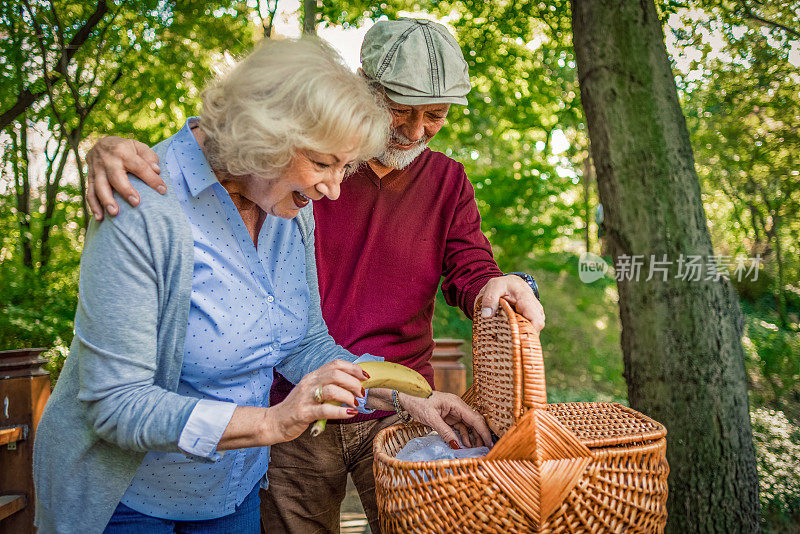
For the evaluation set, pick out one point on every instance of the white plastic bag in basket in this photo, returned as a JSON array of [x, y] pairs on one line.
[[432, 447]]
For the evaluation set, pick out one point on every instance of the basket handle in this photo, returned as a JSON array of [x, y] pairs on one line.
[[529, 362]]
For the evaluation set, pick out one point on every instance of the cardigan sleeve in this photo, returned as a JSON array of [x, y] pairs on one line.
[[122, 293]]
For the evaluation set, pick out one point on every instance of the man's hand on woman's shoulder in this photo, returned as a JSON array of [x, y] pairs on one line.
[[110, 160]]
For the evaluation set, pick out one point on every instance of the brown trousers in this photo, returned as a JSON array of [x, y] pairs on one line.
[[308, 478]]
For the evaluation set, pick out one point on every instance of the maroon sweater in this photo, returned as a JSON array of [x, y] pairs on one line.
[[382, 249]]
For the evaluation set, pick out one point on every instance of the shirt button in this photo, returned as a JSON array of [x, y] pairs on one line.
[[276, 346], [270, 298]]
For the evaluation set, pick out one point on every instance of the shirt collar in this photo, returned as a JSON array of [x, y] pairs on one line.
[[193, 163]]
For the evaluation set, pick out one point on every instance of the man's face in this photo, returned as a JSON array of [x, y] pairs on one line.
[[412, 128]]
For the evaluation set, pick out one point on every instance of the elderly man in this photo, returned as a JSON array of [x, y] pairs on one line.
[[403, 222]]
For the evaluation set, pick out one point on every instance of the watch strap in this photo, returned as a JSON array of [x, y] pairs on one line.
[[530, 281]]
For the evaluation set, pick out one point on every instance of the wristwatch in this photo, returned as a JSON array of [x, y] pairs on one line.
[[530, 281], [398, 408]]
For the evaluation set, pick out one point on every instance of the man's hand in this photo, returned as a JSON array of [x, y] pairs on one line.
[[518, 293], [109, 162], [447, 413]]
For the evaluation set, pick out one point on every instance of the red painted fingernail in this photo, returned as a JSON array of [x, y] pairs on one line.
[[366, 374], [352, 411], [356, 402], [363, 392], [454, 444]]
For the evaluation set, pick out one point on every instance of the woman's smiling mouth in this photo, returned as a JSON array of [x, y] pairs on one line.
[[300, 200]]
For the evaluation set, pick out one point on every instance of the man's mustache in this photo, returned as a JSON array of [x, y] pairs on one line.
[[403, 140]]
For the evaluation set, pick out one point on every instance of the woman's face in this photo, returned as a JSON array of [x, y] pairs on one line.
[[310, 176]]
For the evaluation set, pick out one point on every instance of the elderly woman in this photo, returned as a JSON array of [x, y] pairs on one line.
[[160, 419]]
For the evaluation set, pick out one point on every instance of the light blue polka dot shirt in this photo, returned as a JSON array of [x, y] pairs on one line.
[[249, 309]]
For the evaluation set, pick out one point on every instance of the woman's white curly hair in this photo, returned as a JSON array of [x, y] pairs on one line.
[[289, 95]]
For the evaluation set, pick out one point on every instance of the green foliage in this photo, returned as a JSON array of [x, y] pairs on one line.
[[37, 307], [169, 69], [777, 445], [355, 12], [140, 51], [139, 73], [581, 340], [524, 93], [773, 360], [36, 311], [741, 101], [773, 365]]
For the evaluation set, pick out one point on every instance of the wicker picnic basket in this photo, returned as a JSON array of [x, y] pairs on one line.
[[557, 468]]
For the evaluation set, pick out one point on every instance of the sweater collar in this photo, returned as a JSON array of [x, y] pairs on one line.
[[394, 174]]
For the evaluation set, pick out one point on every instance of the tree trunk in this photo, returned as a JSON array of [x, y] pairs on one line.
[[87, 213], [684, 362], [309, 17], [780, 293], [586, 180], [22, 186], [52, 187]]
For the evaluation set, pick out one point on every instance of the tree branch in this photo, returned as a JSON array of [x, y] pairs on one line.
[[271, 7], [48, 82], [102, 43], [28, 96], [59, 33], [105, 89], [748, 13], [51, 161], [61, 65]]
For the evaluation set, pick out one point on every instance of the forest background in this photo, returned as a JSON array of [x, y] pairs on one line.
[[73, 71]]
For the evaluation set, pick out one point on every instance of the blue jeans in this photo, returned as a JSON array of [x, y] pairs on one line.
[[245, 520]]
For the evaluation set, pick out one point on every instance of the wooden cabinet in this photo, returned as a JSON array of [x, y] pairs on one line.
[[24, 390]]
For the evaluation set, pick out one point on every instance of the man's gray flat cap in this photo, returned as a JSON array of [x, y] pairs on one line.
[[416, 61]]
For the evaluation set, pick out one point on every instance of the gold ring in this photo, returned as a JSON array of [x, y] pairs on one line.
[[318, 395]]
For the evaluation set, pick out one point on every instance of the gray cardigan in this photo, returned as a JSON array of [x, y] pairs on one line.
[[115, 398]]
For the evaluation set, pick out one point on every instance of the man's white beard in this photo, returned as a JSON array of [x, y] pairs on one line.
[[396, 158]]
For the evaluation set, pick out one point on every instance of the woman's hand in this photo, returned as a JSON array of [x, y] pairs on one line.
[[109, 160], [338, 381], [447, 413]]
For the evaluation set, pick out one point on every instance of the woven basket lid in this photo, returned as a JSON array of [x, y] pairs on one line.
[[509, 380]]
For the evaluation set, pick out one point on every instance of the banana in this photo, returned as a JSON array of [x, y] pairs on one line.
[[390, 376], [395, 376]]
